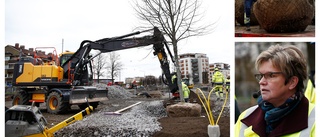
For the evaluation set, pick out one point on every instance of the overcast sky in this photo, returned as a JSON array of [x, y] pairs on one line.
[[38, 23]]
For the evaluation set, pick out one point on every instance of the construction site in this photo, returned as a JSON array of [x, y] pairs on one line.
[[147, 116], [56, 96]]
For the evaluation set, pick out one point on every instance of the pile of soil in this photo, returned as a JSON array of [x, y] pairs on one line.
[[190, 127]]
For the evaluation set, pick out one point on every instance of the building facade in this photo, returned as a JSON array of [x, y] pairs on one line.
[[195, 67]]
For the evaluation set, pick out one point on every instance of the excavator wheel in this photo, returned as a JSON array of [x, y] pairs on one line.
[[21, 98], [55, 105]]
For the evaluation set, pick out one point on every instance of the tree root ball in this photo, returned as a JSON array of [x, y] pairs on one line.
[[281, 16], [184, 110]]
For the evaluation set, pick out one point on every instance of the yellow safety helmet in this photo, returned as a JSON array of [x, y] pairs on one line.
[[216, 69]]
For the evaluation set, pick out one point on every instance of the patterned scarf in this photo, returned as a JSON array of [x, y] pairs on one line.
[[274, 114]]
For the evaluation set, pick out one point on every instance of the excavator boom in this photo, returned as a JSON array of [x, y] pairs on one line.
[[81, 57]]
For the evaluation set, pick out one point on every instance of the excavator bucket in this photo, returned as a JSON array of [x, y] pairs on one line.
[[93, 94], [193, 97]]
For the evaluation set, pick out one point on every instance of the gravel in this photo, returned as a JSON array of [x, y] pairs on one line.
[[138, 121], [117, 92]]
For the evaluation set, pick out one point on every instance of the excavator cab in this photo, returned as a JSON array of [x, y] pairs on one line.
[[63, 57]]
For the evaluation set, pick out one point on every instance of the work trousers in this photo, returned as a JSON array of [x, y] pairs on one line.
[[219, 90], [247, 11]]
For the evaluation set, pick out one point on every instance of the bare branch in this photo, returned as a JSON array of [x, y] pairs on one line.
[[114, 65], [178, 19]]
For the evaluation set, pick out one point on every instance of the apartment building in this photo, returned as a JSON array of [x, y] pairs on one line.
[[195, 67]]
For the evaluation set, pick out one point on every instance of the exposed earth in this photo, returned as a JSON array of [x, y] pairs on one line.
[[146, 119]]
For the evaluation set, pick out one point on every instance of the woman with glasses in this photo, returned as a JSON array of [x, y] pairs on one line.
[[282, 108]]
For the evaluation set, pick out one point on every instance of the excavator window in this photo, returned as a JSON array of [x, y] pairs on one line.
[[64, 57]]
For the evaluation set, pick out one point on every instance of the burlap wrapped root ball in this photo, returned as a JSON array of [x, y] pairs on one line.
[[184, 110], [276, 16], [239, 14]]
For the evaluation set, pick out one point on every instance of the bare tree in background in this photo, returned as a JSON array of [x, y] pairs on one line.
[[113, 65], [178, 19], [99, 66]]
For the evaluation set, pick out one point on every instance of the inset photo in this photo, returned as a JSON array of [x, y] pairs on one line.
[[281, 18], [274, 87]]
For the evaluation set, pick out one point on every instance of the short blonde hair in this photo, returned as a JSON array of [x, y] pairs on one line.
[[289, 59]]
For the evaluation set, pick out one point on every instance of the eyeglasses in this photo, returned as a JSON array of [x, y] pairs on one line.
[[267, 75]]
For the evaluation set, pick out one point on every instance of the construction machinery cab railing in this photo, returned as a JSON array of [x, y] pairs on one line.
[[65, 83]]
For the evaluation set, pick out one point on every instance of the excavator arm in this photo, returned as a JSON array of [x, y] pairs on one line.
[[78, 61]]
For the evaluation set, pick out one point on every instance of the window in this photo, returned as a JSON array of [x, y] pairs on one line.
[[11, 66], [7, 58]]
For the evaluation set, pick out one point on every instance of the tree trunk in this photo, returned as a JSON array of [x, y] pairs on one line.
[[176, 58]]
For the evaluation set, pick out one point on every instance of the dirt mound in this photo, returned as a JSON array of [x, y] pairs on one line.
[[190, 127], [117, 92]]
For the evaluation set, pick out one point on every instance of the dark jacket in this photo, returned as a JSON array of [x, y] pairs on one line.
[[295, 121]]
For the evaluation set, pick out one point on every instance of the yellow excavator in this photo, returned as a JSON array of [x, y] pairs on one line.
[[65, 80], [28, 121]]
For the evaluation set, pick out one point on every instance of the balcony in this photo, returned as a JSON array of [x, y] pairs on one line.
[[9, 70], [8, 79]]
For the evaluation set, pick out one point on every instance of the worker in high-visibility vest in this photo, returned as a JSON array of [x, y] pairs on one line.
[[310, 92], [282, 108], [174, 78], [185, 88], [174, 81], [186, 92], [217, 83]]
